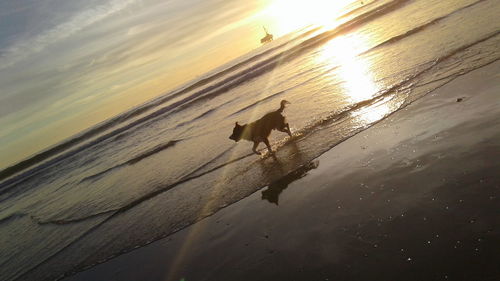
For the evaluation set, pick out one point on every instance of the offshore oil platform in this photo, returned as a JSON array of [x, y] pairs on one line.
[[266, 39]]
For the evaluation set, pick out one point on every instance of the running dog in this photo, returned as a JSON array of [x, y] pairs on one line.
[[260, 130]]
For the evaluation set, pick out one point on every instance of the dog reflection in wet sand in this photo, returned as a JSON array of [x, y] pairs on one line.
[[273, 191], [260, 130]]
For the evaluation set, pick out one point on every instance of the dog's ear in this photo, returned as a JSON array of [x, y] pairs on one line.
[[236, 124]]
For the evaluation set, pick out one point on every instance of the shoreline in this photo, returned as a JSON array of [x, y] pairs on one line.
[[417, 194]]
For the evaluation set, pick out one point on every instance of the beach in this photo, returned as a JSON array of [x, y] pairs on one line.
[[389, 173], [414, 197]]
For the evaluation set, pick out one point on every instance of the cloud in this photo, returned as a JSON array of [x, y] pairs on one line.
[[25, 48]]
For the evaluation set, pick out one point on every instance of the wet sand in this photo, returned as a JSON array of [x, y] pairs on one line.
[[415, 197]]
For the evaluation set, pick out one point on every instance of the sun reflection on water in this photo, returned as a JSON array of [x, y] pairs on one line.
[[357, 83], [354, 71]]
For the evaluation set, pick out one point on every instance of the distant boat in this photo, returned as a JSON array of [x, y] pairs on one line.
[[266, 39]]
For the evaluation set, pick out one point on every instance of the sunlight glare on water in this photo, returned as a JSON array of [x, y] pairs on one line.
[[376, 112], [354, 71]]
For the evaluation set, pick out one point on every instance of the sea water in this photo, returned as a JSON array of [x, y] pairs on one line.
[[166, 164]]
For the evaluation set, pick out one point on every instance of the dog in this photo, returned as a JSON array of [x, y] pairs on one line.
[[259, 131]]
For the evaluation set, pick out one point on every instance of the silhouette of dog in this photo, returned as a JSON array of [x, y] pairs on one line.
[[258, 131]]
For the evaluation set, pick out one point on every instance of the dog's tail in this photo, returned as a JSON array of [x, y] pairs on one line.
[[282, 105]]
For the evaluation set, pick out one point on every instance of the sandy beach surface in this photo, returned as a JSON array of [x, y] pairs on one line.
[[415, 197]]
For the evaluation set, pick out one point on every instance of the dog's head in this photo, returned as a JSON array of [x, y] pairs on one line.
[[237, 132]]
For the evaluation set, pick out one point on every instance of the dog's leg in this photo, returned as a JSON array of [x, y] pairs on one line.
[[254, 148], [285, 129], [266, 141], [288, 130]]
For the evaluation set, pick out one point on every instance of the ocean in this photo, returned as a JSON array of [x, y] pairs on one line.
[[169, 163]]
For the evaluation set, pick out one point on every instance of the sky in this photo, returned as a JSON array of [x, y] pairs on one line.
[[68, 65]]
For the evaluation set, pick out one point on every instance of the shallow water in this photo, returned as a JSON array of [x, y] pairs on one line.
[[166, 164]]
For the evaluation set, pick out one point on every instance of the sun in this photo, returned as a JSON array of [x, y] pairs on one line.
[[285, 16]]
